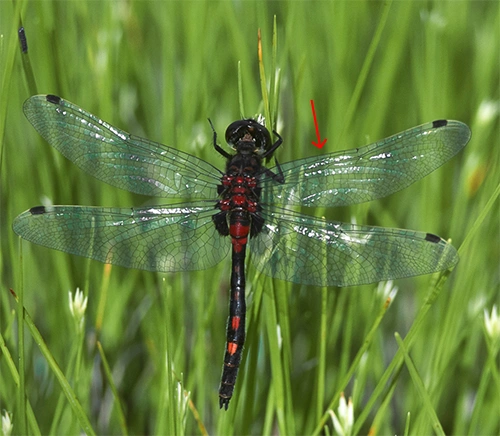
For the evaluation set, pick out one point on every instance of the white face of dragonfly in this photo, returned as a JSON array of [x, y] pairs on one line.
[[248, 136]]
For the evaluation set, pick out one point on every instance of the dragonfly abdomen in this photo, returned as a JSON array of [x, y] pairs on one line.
[[238, 217], [239, 229], [235, 334]]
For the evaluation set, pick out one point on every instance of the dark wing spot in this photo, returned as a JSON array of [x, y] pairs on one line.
[[432, 238], [53, 99], [37, 210], [439, 123]]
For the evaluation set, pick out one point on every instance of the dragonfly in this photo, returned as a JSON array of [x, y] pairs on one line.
[[247, 204]]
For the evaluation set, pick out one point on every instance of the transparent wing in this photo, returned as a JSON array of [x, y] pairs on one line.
[[118, 158], [302, 249], [178, 237], [370, 172]]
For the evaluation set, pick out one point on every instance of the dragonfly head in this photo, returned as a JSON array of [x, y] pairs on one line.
[[248, 136]]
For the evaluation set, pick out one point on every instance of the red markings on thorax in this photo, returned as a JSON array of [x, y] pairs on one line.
[[240, 191], [239, 200]]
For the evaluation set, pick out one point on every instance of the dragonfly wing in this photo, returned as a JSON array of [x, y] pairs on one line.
[[118, 158], [302, 249], [370, 172], [178, 237]]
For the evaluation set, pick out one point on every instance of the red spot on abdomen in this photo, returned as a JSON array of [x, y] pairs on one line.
[[239, 230], [235, 322], [232, 347]]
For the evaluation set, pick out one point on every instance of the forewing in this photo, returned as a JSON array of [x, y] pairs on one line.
[[302, 249], [118, 158], [178, 237], [370, 172]]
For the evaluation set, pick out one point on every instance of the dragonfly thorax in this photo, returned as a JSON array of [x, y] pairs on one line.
[[246, 164]]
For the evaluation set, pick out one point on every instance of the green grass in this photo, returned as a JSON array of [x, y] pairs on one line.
[[159, 69]]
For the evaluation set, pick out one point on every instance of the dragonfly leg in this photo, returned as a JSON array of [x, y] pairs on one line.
[[274, 146], [217, 147]]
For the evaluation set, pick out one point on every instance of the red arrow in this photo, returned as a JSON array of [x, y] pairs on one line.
[[320, 143]]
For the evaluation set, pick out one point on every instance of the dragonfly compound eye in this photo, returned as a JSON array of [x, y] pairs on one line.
[[246, 130]]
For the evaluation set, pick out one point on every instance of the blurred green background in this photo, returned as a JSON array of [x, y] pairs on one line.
[[159, 70]]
